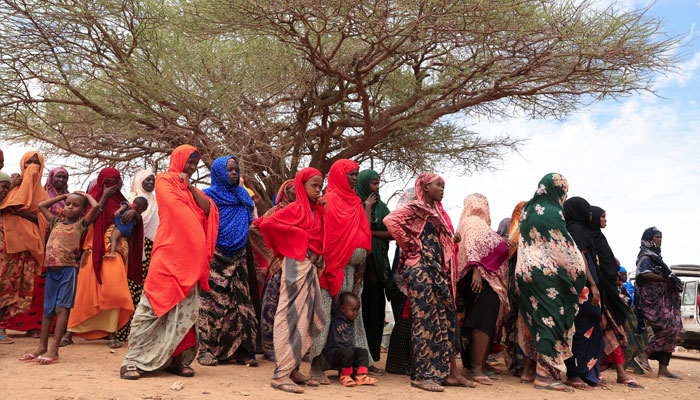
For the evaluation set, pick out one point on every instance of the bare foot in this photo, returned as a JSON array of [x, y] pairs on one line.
[[578, 383], [544, 382], [458, 380], [285, 384]]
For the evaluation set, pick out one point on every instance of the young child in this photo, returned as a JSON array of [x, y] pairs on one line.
[[340, 351], [61, 260], [123, 229]]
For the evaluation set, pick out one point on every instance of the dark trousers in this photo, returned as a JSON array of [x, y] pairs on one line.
[[348, 357], [373, 304]]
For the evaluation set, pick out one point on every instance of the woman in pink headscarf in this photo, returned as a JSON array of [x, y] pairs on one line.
[[57, 185]]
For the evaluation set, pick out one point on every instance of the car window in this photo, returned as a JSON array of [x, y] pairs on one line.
[[690, 293]]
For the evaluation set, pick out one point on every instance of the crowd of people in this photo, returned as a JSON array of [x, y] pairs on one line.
[[179, 274]]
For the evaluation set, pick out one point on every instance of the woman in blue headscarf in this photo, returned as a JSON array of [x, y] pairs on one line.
[[226, 316]]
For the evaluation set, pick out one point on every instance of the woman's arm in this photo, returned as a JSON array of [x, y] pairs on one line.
[[29, 216], [201, 200], [654, 277], [357, 278], [384, 235], [589, 278], [369, 203]]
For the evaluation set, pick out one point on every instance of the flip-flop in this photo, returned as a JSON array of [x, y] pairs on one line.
[[631, 383], [554, 385], [6, 340], [65, 342], [671, 376], [114, 344], [287, 387], [428, 387], [41, 360], [27, 357], [643, 365]]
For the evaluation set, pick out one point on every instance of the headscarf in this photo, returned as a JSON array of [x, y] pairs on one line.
[[20, 233], [53, 192], [623, 269], [514, 230], [649, 249], [185, 240], [150, 216], [577, 213], [380, 247], [235, 207], [408, 196], [503, 228], [106, 218], [298, 227], [4, 177], [608, 267], [346, 228]]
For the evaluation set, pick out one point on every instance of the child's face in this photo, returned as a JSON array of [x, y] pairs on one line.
[[313, 188], [75, 206], [374, 185], [4, 188], [232, 170], [140, 206], [350, 308]]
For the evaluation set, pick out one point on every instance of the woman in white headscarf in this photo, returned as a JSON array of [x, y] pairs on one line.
[[143, 185]]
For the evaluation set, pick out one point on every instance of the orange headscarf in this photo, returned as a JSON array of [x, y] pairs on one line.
[[25, 235], [514, 230], [185, 240]]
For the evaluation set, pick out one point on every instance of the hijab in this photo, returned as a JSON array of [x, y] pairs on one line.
[[53, 192], [346, 228], [503, 228], [104, 219], [577, 212], [150, 216], [4, 177], [408, 196], [25, 235], [649, 249], [297, 228], [608, 267], [185, 239], [480, 244], [235, 207], [542, 218], [514, 229]]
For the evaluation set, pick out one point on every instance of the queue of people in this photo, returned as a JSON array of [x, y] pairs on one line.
[[178, 274]]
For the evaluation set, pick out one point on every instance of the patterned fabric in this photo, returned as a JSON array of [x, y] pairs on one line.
[[63, 245], [550, 275], [513, 357], [235, 207], [299, 318], [136, 289], [267, 314], [484, 249], [21, 291], [636, 341], [153, 339], [359, 333], [433, 316], [53, 192], [150, 216], [227, 321]]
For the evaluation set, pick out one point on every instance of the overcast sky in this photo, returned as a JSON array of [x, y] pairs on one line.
[[637, 159]]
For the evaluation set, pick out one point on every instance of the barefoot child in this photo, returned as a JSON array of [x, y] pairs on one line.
[[62, 253], [123, 229], [340, 351]]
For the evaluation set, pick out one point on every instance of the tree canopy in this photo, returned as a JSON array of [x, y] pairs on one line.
[[283, 84]]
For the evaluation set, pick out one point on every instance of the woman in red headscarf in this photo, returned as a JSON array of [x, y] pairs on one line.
[[103, 302], [347, 241], [22, 251], [295, 234], [163, 328]]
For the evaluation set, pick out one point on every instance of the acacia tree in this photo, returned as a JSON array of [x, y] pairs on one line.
[[288, 83]]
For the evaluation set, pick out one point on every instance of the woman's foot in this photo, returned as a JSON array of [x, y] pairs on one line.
[[665, 373], [129, 372], [458, 380], [301, 379], [347, 381], [286, 385], [113, 344], [428, 385], [178, 367], [548, 383], [578, 383], [34, 333], [317, 373], [49, 357], [207, 359], [528, 374], [365, 380], [478, 376], [374, 371]]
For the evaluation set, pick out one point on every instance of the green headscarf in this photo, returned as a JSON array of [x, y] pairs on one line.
[[380, 247], [4, 177]]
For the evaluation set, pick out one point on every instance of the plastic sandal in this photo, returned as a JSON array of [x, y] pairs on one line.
[[365, 380], [347, 381]]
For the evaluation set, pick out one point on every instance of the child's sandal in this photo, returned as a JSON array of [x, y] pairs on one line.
[[347, 381], [364, 379]]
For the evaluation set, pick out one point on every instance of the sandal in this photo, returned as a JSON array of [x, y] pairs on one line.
[[65, 342], [553, 387], [287, 387], [631, 383], [6, 340], [248, 362], [181, 370], [347, 381], [429, 386], [483, 380], [643, 365], [374, 371], [365, 380], [207, 359], [27, 357], [129, 372], [41, 360], [114, 344]]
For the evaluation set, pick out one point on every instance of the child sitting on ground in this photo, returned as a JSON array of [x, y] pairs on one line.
[[123, 229], [61, 259], [340, 351]]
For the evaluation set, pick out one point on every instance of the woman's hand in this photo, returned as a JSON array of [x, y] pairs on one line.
[[185, 178], [596, 296], [109, 191], [511, 244], [320, 200], [477, 282], [371, 200], [457, 237], [128, 216]]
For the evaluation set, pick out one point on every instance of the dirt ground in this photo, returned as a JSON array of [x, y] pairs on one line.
[[89, 370]]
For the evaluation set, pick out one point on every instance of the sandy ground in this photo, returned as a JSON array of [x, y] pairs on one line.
[[89, 370]]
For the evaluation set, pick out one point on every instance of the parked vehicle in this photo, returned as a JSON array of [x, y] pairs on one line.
[[689, 337]]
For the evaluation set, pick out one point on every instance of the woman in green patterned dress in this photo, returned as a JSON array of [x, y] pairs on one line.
[[550, 277]]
